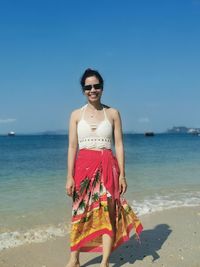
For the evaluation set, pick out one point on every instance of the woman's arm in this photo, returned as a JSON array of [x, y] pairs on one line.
[[72, 149], [119, 149]]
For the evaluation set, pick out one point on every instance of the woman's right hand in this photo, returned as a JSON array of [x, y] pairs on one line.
[[70, 186]]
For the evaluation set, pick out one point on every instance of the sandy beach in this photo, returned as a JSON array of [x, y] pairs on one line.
[[171, 238]]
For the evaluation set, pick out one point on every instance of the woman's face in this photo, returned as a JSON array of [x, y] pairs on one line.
[[93, 95]]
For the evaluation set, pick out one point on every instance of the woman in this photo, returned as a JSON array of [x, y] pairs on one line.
[[101, 217]]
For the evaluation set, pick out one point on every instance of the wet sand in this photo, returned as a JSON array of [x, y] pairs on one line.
[[171, 238]]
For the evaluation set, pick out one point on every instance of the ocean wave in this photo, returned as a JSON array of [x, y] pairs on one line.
[[141, 207], [159, 202], [37, 235]]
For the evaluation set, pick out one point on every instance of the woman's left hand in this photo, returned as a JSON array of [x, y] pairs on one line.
[[122, 185]]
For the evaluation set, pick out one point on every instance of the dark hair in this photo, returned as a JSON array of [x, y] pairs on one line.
[[90, 73]]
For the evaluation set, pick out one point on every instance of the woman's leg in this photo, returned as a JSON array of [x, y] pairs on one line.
[[108, 241], [74, 259], [107, 247]]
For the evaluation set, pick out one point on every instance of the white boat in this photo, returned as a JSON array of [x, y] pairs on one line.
[[11, 133]]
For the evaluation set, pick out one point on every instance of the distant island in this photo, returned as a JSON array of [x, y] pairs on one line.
[[173, 130], [56, 132], [48, 132], [183, 130]]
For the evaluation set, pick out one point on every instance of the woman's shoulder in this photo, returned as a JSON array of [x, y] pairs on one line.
[[75, 114], [111, 111]]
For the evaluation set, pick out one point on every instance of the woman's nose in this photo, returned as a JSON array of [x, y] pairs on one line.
[[93, 89]]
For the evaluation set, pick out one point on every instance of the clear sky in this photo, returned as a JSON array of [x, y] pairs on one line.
[[148, 52]]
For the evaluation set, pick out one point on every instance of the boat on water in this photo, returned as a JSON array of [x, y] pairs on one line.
[[149, 134], [11, 133]]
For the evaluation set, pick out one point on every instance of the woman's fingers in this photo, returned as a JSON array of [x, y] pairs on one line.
[[123, 187], [69, 191], [70, 188]]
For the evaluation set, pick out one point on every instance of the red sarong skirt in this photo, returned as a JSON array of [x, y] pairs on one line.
[[96, 177]]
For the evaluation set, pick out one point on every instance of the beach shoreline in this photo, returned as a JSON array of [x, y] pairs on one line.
[[171, 238]]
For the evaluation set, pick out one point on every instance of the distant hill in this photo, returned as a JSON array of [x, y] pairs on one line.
[[183, 130], [56, 132], [62, 132], [173, 130], [48, 132]]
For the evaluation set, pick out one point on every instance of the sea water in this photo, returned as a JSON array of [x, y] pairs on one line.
[[162, 172]]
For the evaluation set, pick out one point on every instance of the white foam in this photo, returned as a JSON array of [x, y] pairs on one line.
[[159, 203], [148, 205], [14, 239]]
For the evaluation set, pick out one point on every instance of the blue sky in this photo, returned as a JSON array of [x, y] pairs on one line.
[[147, 51]]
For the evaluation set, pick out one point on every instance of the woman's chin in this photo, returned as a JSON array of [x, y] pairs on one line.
[[93, 100]]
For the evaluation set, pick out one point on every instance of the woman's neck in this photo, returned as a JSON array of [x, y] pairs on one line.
[[95, 105]]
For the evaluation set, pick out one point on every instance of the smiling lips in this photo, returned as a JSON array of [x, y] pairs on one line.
[[93, 95]]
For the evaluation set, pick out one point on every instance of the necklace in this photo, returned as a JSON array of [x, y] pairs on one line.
[[92, 115]]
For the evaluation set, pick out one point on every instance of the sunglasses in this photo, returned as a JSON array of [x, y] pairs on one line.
[[90, 86]]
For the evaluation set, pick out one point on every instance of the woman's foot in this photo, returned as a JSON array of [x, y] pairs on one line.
[[72, 263], [73, 259], [104, 264]]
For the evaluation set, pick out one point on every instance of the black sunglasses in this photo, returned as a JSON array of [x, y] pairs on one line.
[[89, 86]]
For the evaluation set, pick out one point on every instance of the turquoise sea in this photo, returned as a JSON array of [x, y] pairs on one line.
[[163, 172]]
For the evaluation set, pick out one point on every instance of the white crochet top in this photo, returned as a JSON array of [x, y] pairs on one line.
[[94, 135]]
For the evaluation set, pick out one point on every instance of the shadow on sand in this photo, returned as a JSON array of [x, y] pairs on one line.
[[131, 251]]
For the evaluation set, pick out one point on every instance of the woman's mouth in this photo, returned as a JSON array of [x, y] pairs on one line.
[[93, 95]]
